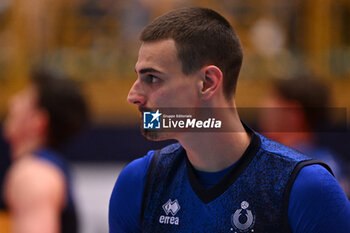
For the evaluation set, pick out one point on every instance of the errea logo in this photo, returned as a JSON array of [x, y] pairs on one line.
[[170, 207]]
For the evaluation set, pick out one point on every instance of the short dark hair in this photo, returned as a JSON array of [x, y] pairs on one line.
[[202, 37], [64, 103]]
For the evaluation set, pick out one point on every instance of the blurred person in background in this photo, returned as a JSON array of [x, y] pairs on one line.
[[236, 181], [40, 119], [300, 107]]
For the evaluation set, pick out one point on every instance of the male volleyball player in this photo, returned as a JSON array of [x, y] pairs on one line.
[[214, 182]]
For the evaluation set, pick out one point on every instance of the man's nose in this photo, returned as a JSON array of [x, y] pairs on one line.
[[136, 95]]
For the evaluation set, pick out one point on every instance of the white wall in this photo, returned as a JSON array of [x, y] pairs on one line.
[[92, 187]]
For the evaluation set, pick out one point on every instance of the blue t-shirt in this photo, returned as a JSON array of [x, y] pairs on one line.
[[317, 203]]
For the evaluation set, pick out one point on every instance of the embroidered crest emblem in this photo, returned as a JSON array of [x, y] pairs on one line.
[[243, 219]]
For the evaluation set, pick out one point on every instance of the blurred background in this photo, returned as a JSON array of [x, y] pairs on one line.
[[96, 43]]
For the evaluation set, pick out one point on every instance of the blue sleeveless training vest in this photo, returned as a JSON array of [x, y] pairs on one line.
[[252, 197]]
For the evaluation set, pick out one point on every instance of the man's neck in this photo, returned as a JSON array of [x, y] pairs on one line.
[[215, 151], [26, 147]]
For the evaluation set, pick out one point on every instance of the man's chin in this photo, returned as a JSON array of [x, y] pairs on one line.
[[155, 135]]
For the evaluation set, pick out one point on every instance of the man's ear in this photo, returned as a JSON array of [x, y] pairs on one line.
[[211, 81]]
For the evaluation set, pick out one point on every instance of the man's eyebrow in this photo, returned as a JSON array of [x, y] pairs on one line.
[[149, 70]]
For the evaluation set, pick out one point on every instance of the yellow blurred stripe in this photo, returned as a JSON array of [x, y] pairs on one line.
[[5, 226]]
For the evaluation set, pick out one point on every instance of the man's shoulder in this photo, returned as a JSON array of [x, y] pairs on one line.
[[33, 172], [127, 195], [279, 150], [31, 179], [140, 166], [170, 149], [312, 180], [317, 203]]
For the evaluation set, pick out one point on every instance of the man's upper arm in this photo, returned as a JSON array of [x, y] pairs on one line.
[[317, 204], [126, 198], [36, 196]]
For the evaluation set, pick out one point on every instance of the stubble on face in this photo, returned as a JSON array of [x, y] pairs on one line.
[[152, 134]]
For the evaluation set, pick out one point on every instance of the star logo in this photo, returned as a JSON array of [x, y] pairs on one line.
[[156, 115]]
